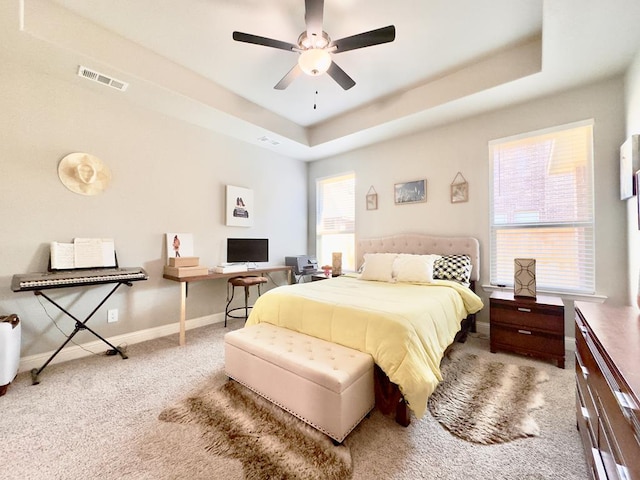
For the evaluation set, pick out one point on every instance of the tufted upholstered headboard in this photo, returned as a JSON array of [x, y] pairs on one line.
[[419, 244]]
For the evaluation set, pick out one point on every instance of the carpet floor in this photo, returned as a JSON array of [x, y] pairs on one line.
[[97, 417]]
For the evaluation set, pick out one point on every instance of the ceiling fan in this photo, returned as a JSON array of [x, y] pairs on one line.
[[315, 47]]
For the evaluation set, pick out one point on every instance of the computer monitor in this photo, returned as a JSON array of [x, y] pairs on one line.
[[247, 250]]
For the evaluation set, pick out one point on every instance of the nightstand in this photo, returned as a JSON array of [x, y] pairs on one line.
[[528, 326], [318, 276], [321, 276]]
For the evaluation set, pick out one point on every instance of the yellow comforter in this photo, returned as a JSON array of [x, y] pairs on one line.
[[404, 327]]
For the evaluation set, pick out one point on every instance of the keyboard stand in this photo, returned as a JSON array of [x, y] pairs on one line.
[[80, 325]]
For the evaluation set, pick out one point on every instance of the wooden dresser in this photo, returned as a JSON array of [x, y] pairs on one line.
[[608, 389], [528, 326]]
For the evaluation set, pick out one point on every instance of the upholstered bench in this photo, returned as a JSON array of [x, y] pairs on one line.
[[327, 385]]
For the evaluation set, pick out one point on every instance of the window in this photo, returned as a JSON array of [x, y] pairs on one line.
[[335, 217], [542, 207]]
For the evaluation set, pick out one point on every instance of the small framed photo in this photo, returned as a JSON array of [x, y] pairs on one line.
[[459, 192], [179, 245], [372, 201], [410, 192]]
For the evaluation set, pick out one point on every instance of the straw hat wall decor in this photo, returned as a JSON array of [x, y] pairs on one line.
[[84, 174]]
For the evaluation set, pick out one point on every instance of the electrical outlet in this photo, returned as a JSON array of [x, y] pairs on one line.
[[112, 315]]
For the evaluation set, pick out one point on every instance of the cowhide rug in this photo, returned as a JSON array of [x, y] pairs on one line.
[[269, 442], [486, 402]]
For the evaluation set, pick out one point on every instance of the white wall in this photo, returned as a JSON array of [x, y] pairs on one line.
[[438, 154], [168, 176]]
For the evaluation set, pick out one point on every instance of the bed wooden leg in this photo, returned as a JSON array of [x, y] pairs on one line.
[[389, 400], [402, 414]]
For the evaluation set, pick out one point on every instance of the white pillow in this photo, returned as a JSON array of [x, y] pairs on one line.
[[414, 268], [378, 266]]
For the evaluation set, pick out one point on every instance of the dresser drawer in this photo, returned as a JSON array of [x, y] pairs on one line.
[[586, 407], [614, 451]]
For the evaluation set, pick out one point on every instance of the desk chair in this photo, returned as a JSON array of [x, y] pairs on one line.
[[245, 282]]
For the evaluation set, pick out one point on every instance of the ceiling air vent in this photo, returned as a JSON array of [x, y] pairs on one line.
[[102, 78], [265, 139]]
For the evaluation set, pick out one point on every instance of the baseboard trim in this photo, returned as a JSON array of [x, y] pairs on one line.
[[74, 352]]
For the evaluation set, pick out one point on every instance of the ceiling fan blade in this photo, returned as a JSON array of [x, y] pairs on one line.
[[366, 39], [313, 17], [294, 73], [267, 42], [339, 75]]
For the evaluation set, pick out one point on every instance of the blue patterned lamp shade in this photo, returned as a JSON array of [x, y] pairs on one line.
[[524, 277]]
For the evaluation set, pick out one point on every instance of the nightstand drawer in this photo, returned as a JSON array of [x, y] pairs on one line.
[[550, 319], [526, 340]]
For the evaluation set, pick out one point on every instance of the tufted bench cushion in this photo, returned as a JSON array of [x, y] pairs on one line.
[[325, 384]]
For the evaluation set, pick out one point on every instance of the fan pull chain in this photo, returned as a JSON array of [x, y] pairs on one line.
[[315, 97]]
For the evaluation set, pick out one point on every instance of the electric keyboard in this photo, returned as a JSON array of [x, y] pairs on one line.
[[75, 278]]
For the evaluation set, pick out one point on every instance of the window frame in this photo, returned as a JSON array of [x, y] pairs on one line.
[[583, 229], [348, 249]]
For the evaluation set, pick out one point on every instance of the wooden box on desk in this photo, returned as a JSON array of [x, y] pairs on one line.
[[182, 272], [184, 261]]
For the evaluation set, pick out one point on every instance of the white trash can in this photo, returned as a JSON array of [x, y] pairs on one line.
[[9, 350]]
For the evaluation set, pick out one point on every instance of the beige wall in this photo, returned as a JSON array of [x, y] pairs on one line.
[[632, 103], [170, 176], [167, 176], [438, 154]]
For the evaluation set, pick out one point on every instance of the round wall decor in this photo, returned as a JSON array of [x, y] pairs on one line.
[[84, 174]]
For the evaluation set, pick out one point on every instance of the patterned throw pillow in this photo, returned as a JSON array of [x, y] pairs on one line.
[[453, 267]]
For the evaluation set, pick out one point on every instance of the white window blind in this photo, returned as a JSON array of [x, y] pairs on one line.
[[335, 214], [542, 207]]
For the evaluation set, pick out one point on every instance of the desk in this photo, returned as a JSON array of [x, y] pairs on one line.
[[184, 282]]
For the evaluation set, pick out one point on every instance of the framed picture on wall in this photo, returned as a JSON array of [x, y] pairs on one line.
[[628, 167], [636, 181], [410, 192], [240, 210], [459, 189], [372, 199]]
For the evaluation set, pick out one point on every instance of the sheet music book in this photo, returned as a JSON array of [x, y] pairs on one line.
[[83, 253]]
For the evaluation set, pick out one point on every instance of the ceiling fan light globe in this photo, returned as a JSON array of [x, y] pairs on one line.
[[314, 61]]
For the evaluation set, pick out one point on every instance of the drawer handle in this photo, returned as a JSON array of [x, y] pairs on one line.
[[525, 332], [585, 413], [585, 372], [597, 463], [624, 401], [623, 472], [521, 309]]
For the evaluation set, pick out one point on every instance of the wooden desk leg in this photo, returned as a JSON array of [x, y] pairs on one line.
[[183, 312]]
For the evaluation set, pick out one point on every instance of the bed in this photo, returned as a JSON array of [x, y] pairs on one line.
[[389, 311]]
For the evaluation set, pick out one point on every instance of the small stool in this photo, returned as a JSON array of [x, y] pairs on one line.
[[245, 282]]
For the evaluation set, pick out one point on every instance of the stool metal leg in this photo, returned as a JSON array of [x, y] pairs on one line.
[[230, 295], [226, 309], [246, 303]]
